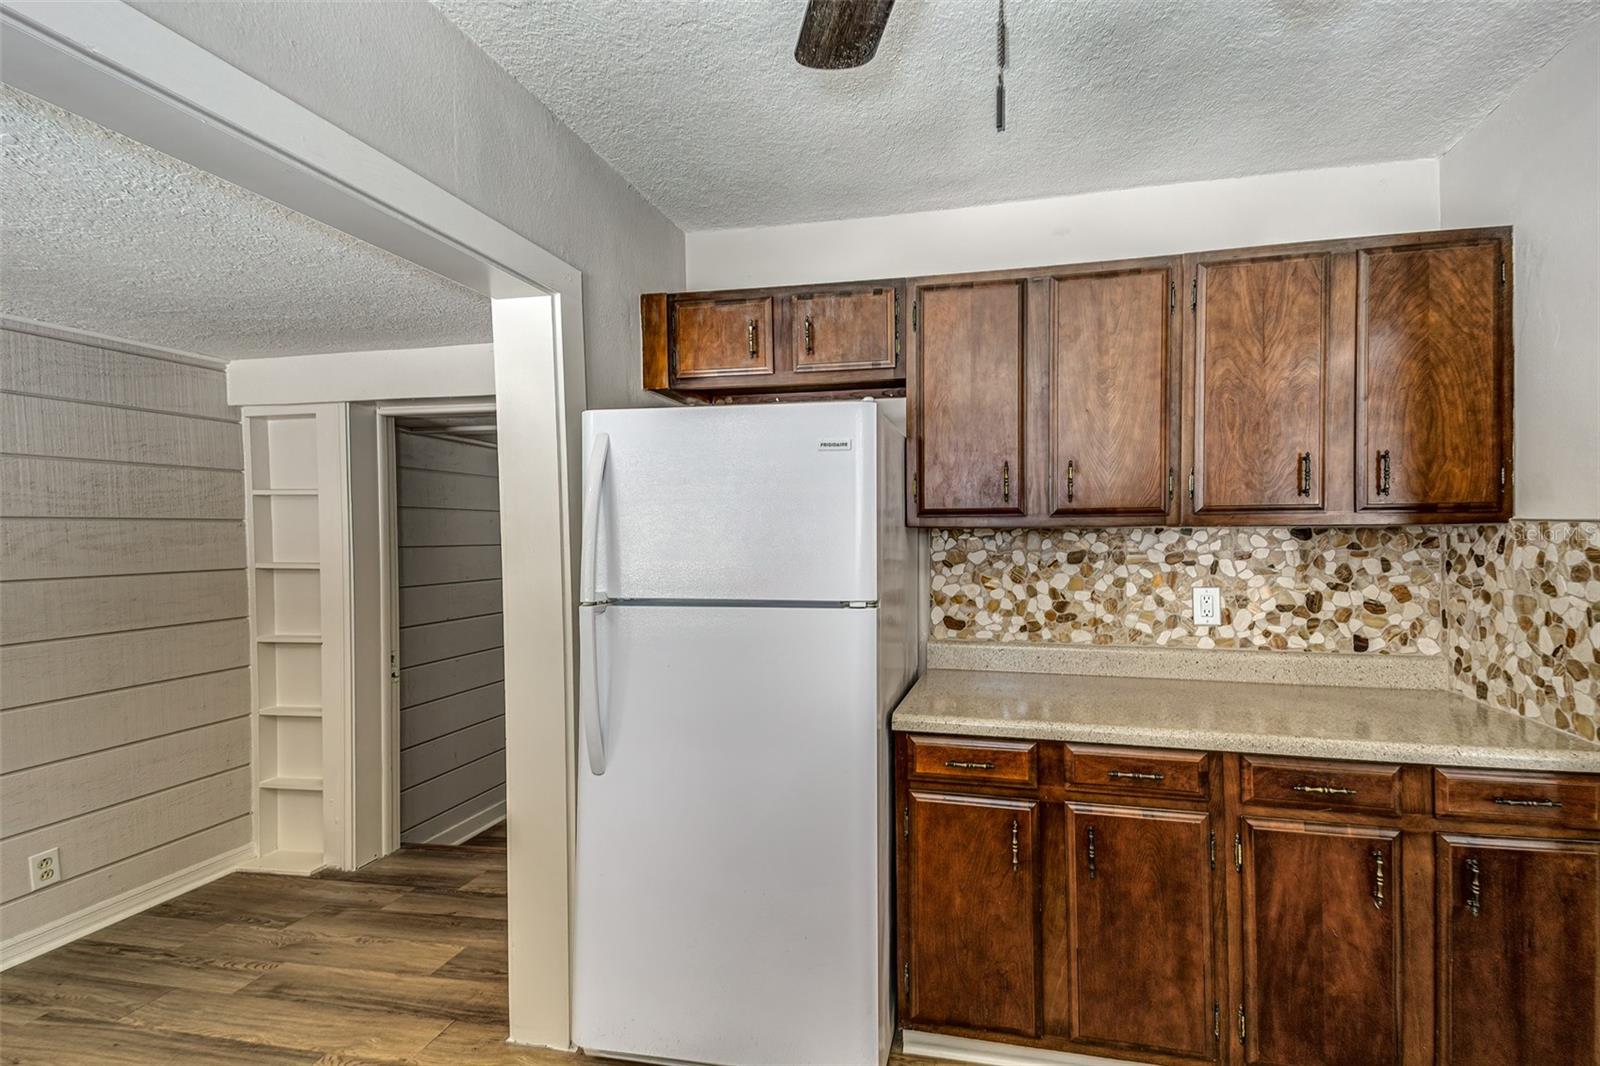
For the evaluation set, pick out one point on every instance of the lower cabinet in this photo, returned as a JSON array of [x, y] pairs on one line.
[[1211, 916], [1322, 978], [1519, 925], [1139, 923], [971, 889]]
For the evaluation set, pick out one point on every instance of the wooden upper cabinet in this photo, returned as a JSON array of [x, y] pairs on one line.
[[1433, 377], [719, 338], [1519, 928], [843, 330], [973, 891], [1140, 919], [1261, 384], [968, 418], [1322, 975], [1112, 426]]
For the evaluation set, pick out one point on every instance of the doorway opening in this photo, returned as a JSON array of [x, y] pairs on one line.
[[444, 621]]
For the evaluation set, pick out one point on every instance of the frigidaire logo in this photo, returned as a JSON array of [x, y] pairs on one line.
[[834, 445]]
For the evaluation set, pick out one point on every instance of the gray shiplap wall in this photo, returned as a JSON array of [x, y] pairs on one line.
[[124, 641], [452, 665]]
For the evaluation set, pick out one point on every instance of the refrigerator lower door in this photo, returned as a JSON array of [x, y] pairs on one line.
[[727, 904]]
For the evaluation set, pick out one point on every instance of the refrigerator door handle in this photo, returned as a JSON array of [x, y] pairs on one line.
[[594, 738], [594, 478]]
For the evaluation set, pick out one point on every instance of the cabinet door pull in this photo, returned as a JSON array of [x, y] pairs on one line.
[[750, 337], [1474, 888], [1305, 474], [809, 348], [1005, 481], [1072, 479], [1134, 775], [1014, 860], [1383, 472], [1377, 878], [1507, 801], [1323, 790], [1094, 869], [963, 764]]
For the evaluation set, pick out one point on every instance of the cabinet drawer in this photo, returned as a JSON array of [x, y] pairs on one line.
[[1175, 773], [996, 762], [1508, 796], [1345, 786]]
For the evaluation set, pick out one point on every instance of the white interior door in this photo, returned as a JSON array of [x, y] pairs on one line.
[[726, 906]]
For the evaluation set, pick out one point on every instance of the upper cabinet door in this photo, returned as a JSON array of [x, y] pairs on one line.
[[969, 413], [847, 330], [1433, 378], [715, 338], [1260, 384], [1111, 423]]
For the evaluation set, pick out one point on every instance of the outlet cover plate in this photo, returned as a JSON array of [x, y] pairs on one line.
[[44, 869], [1207, 606]]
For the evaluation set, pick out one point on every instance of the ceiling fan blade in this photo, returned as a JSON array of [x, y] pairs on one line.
[[838, 34]]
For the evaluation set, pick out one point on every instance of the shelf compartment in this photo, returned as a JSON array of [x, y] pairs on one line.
[[289, 675], [289, 566], [283, 492], [291, 711], [290, 750], [288, 603], [290, 820], [284, 529], [289, 638], [288, 862], [292, 784], [283, 452]]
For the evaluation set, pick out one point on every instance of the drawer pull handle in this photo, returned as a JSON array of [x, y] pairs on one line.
[[810, 347], [1507, 801], [1324, 790], [1134, 775], [962, 764], [750, 338], [1304, 488], [1383, 473], [1377, 880], [1093, 868], [1474, 888]]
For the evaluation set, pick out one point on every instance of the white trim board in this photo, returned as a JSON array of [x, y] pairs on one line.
[[381, 374], [989, 1053], [64, 931], [469, 826]]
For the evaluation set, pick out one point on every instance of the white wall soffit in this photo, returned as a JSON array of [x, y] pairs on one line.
[[127, 72], [388, 374]]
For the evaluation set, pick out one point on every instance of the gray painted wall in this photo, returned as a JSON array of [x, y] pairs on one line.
[[124, 640], [402, 78], [452, 667]]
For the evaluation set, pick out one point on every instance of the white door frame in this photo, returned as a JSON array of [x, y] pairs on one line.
[[389, 593], [123, 70]]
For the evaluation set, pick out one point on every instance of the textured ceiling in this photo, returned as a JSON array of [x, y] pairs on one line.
[[101, 233], [700, 104]]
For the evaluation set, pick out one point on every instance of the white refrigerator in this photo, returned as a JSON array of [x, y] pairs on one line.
[[748, 620]]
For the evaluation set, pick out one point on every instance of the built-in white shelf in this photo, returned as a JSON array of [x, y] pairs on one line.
[[283, 492], [288, 638], [293, 784], [289, 862], [290, 711], [288, 566]]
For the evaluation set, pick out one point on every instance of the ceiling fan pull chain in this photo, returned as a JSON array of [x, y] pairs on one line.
[[1000, 72]]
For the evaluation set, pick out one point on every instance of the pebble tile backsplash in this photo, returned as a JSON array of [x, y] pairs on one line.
[[1333, 590]]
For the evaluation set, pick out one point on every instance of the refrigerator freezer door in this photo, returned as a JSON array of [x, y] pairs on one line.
[[746, 503], [727, 861]]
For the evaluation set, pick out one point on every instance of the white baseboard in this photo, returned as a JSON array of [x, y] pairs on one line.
[[468, 827], [25, 946], [989, 1053]]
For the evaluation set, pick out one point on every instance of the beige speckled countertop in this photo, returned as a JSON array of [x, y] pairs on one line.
[[1315, 721]]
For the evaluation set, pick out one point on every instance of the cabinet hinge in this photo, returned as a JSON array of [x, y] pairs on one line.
[[394, 666], [897, 323], [1172, 484], [914, 496], [1172, 296], [916, 316], [1238, 852], [1216, 1021], [1241, 1023], [1194, 294], [1211, 850], [1502, 478]]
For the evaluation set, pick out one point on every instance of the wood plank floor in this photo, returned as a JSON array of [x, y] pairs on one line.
[[401, 962]]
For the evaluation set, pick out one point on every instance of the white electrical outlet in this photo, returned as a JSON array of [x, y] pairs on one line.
[[44, 868], [1207, 607]]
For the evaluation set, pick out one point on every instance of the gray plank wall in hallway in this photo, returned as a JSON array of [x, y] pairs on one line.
[[452, 667], [124, 640]]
